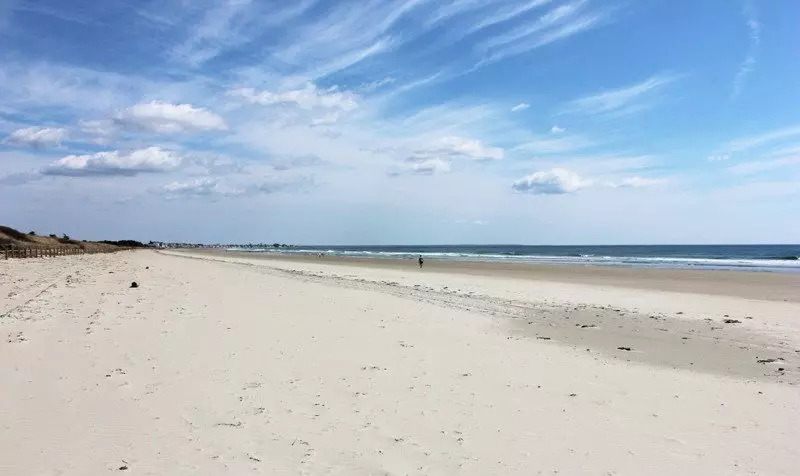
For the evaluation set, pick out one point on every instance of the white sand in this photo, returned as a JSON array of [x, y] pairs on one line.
[[237, 368]]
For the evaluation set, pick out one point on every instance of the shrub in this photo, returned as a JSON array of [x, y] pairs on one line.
[[14, 234]]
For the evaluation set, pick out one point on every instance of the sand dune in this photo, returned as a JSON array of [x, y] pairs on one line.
[[232, 365]]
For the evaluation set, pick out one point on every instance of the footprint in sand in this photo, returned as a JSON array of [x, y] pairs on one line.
[[17, 338]]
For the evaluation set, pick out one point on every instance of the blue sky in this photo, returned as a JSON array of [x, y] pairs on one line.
[[416, 121]]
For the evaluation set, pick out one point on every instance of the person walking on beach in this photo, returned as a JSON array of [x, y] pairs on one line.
[[421, 261]]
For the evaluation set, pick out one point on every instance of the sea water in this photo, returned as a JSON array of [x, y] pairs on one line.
[[782, 258]]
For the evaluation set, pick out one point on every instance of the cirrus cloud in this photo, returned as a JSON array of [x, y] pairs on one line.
[[623, 101], [308, 97]]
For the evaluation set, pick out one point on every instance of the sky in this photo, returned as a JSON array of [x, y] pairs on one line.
[[402, 121]]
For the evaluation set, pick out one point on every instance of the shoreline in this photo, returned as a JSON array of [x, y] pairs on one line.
[[758, 285], [784, 258]]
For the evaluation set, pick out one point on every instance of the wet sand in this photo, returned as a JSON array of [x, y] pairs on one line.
[[746, 284]]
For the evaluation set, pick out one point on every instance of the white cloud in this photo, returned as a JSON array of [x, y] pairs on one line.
[[216, 189], [102, 131], [776, 159], [557, 130], [166, 118], [326, 119], [761, 139], [437, 155], [309, 97], [115, 163], [413, 84], [216, 31], [637, 182], [749, 63], [558, 181], [423, 166], [597, 165], [97, 127], [551, 145], [623, 101], [551, 182], [528, 29], [430, 167], [508, 13], [298, 162], [198, 187], [718, 157], [214, 165], [45, 86], [558, 23], [372, 86], [471, 222], [470, 148], [520, 107], [749, 168], [19, 178], [348, 34], [37, 137]]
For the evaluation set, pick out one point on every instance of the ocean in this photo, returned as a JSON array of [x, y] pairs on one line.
[[780, 258]]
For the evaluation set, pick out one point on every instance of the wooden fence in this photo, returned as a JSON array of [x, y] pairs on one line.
[[14, 251]]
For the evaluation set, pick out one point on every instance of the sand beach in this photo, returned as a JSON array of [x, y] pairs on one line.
[[226, 363]]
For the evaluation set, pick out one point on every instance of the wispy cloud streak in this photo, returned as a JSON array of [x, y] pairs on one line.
[[558, 23], [748, 65], [622, 101]]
